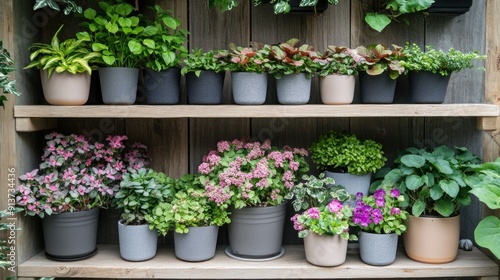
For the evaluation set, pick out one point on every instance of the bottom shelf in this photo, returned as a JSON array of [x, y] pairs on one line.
[[293, 265]]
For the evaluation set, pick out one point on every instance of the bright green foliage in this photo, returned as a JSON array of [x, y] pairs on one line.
[[6, 66], [378, 59], [346, 151], [336, 60], [71, 6], [140, 191], [72, 55], [395, 9], [433, 182], [188, 208], [289, 58], [198, 61], [438, 61], [313, 192]]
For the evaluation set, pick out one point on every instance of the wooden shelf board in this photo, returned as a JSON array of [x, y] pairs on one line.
[[107, 263]]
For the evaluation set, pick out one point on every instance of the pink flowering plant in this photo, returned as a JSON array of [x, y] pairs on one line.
[[244, 173], [77, 175], [330, 219], [379, 213]]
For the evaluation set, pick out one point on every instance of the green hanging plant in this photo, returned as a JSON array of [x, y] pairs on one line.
[[71, 6]]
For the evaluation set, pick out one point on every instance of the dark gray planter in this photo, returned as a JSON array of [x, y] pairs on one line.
[[198, 244], [249, 88], [71, 236], [377, 89], [119, 85], [257, 232], [378, 249], [206, 89], [293, 89], [428, 87], [137, 242], [450, 8], [162, 87]]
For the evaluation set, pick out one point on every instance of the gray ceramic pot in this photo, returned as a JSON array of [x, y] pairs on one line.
[[198, 244], [137, 242], [162, 87], [249, 88], [352, 183], [428, 87], [377, 89], [378, 249], [119, 85], [205, 89], [293, 89]]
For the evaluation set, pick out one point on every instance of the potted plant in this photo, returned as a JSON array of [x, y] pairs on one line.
[[65, 68], [254, 178], [205, 73], [292, 67], [117, 33], [7, 85], [347, 159], [325, 230], [194, 218], [434, 184], [378, 70], [76, 178], [430, 71], [71, 6], [140, 191], [392, 10], [163, 52], [381, 221], [337, 68], [249, 70], [281, 6]]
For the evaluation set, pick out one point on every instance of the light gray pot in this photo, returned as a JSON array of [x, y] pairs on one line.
[[293, 89], [137, 242], [377, 89], [352, 183], [71, 236], [162, 87], [257, 232], [119, 85], [249, 88], [198, 244], [378, 249], [205, 89], [427, 87]]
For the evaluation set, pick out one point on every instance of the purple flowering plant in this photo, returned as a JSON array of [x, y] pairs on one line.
[[244, 173], [77, 174], [330, 219], [379, 213]]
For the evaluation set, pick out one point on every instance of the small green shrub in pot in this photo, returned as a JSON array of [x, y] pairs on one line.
[[7, 85], [197, 61]]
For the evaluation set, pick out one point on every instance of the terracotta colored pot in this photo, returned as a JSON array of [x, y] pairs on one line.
[[337, 89], [65, 88]]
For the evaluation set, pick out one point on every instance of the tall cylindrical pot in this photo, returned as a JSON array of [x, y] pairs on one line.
[[432, 239], [352, 183], [137, 242], [293, 89], [378, 249], [205, 89], [162, 87], [249, 88], [199, 244], [377, 89], [257, 232], [65, 88], [325, 250], [119, 85], [337, 89], [427, 87], [71, 235]]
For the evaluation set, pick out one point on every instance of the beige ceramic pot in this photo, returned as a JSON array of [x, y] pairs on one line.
[[324, 250], [432, 239], [65, 88], [337, 89]]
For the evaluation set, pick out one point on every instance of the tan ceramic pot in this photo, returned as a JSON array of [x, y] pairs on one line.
[[432, 239], [65, 88], [324, 250], [337, 89]]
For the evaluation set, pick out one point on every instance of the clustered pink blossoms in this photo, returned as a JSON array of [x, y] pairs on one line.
[[76, 174], [247, 173]]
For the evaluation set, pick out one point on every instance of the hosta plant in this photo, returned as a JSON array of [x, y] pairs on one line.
[[197, 61], [290, 58], [7, 86], [338, 61], [377, 59]]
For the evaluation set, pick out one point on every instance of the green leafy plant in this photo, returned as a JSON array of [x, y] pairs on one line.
[[338, 61], [289, 58], [71, 55], [140, 191], [7, 85], [377, 59], [197, 61], [280, 6], [393, 9], [433, 182], [190, 207], [313, 192], [438, 61], [4, 243], [486, 187], [248, 59], [164, 47], [346, 153], [71, 6]]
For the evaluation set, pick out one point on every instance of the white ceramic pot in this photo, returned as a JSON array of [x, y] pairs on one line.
[[324, 250], [65, 88], [337, 89]]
